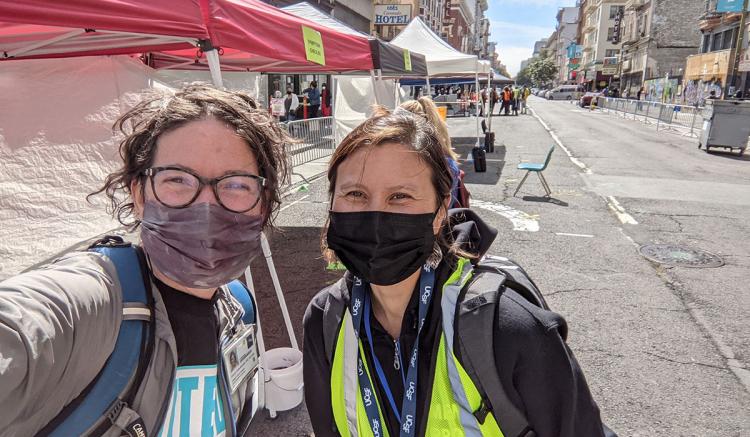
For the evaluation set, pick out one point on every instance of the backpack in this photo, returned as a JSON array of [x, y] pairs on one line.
[[463, 193], [107, 399]]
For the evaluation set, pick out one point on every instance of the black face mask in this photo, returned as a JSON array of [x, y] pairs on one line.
[[381, 248]]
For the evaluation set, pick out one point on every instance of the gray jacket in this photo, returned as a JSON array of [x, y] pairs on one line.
[[58, 326]]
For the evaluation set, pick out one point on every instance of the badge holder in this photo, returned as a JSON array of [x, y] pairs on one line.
[[280, 371]]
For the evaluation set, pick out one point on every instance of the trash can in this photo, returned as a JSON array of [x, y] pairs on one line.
[[726, 124], [480, 159]]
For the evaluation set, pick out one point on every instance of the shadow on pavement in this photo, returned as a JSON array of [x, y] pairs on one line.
[[544, 199], [495, 161], [729, 155], [302, 273]]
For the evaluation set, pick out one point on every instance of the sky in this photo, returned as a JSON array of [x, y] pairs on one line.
[[517, 24]]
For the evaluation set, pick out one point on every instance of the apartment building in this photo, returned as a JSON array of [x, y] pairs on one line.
[[599, 27], [657, 35], [565, 35]]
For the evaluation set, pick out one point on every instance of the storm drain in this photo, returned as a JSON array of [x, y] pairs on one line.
[[680, 256]]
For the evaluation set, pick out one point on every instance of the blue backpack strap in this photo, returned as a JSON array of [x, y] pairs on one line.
[[110, 393], [243, 296]]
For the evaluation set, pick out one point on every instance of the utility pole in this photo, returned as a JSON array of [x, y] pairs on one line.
[[738, 49]]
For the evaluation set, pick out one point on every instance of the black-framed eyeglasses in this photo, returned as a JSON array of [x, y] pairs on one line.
[[178, 187]]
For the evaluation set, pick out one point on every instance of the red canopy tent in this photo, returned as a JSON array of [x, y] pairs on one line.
[[255, 32]]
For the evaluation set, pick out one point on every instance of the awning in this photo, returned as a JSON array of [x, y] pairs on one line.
[[50, 28], [389, 59]]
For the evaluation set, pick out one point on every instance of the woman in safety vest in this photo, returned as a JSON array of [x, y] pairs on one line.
[[380, 357]]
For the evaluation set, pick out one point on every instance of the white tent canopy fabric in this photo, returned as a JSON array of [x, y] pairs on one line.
[[442, 59], [355, 98]]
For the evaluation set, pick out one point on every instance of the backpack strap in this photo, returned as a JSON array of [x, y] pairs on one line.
[[106, 401], [476, 312], [243, 296]]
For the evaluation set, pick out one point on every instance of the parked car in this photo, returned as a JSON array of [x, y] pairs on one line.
[[565, 92], [586, 98]]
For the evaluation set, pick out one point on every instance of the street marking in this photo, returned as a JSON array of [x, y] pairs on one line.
[[295, 202], [612, 203], [574, 235], [624, 217], [521, 220], [554, 136]]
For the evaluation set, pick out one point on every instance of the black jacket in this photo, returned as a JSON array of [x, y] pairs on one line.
[[538, 370]]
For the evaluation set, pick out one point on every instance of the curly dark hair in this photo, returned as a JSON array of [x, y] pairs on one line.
[[163, 111]]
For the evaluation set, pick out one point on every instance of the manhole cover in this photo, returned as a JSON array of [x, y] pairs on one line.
[[680, 256]]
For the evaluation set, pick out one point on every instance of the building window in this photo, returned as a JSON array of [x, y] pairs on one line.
[[706, 43], [728, 39], [716, 45], [610, 33], [613, 10], [611, 53]]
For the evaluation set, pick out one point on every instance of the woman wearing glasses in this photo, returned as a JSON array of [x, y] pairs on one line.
[[200, 180]]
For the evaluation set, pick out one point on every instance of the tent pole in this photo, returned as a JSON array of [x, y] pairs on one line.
[[429, 94], [476, 85], [213, 64], [487, 113], [375, 91]]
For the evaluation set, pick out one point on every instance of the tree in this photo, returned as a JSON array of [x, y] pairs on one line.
[[541, 71], [523, 78]]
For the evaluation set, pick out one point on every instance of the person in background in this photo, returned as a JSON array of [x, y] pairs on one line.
[[516, 99], [325, 100], [313, 99], [483, 97], [427, 108], [291, 103], [525, 93], [494, 99], [507, 96]]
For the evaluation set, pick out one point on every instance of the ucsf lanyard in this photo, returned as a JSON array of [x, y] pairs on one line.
[[360, 307]]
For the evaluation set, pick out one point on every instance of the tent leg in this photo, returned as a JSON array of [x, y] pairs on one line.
[[429, 94], [476, 85], [213, 64], [374, 90], [487, 113]]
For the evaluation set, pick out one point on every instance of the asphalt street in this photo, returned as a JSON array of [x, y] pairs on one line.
[[665, 350]]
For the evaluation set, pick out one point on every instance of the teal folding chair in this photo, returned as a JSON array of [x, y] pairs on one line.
[[538, 169]]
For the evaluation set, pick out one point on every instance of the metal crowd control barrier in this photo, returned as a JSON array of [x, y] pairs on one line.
[[315, 139], [682, 119]]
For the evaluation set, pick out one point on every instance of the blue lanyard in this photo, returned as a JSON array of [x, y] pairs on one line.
[[360, 306]]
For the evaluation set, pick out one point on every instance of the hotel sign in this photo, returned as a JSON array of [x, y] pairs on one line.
[[392, 15]]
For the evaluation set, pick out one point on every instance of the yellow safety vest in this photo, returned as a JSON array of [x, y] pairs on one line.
[[454, 396]]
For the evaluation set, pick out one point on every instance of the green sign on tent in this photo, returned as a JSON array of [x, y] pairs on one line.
[[313, 45]]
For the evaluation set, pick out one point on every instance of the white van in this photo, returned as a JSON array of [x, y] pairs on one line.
[[565, 92]]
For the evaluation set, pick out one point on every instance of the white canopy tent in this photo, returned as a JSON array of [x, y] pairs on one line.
[[442, 59]]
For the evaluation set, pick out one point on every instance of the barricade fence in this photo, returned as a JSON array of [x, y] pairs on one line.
[[315, 139], [683, 119]]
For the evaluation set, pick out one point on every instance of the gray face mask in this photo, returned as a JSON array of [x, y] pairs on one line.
[[201, 246]]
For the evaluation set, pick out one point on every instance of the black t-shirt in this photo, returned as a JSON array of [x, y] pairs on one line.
[[195, 326]]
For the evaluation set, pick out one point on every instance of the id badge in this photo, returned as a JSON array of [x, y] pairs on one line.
[[240, 357]]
